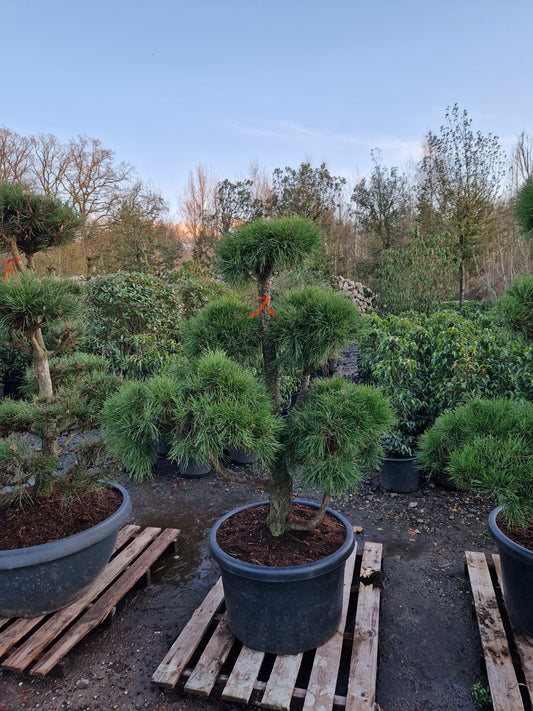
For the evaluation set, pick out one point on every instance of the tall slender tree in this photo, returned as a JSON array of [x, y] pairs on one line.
[[461, 182]]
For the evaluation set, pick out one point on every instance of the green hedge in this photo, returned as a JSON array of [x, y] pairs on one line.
[[426, 365]]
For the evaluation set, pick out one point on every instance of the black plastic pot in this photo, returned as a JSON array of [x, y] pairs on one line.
[[517, 576], [398, 474], [41, 579], [283, 610], [192, 469], [239, 456]]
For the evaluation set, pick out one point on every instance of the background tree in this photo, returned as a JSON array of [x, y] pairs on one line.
[[382, 203], [461, 179], [137, 236]]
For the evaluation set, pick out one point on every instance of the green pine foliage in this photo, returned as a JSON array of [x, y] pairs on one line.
[[523, 209], [258, 249], [486, 446], [336, 434], [27, 303], [515, 307], [225, 324], [311, 326], [34, 222]]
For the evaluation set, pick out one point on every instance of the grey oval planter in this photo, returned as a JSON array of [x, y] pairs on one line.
[[399, 474], [517, 575], [283, 610], [44, 578]]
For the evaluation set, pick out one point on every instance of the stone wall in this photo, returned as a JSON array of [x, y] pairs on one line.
[[361, 295]]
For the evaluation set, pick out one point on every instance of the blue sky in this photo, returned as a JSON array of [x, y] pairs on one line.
[[170, 84]]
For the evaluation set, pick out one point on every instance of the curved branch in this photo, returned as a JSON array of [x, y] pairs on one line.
[[261, 484], [313, 522]]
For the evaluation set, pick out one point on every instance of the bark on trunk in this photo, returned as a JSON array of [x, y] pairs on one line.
[[41, 365], [280, 496]]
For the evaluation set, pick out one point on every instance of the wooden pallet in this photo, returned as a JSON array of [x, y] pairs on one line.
[[207, 660], [42, 642], [507, 650]]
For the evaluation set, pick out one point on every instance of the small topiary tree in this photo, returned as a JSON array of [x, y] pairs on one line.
[[66, 395], [208, 403], [487, 446]]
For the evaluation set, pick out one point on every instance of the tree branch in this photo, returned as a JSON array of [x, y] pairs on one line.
[[315, 521], [261, 484]]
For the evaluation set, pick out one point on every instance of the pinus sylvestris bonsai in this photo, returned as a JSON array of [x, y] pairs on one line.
[[64, 396], [209, 402]]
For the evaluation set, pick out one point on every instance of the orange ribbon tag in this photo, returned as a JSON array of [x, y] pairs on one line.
[[266, 302], [11, 263]]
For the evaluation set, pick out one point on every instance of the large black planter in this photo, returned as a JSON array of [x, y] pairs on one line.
[[517, 575], [398, 474], [283, 610], [44, 578]]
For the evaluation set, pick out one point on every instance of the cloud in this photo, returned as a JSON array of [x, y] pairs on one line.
[[393, 148]]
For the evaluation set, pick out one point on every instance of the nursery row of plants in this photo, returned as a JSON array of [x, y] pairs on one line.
[[202, 366]]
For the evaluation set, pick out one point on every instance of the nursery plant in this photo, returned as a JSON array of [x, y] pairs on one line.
[[208, 402], [426, 365], [41, 538], [487, 446]]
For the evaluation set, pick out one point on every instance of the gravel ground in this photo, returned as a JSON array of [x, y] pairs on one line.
[[429, 649]]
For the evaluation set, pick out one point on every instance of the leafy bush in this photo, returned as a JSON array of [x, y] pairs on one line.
[[426, 365], [487, 446], [132, 320], [196, 287]]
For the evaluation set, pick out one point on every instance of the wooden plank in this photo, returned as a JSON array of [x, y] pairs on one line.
[[52, 628], [103, 606], [125, 533], [243, 677], [363, 665], [17, 630], [281, 683], [4, 621], [523, 642], [204, 675], [500, 672], [320, 694], [175, 660]]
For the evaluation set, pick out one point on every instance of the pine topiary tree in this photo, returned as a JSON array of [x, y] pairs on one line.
[[210, 403]]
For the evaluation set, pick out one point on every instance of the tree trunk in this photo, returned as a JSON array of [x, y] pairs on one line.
[[41, 365], [280, 496], [269, 352]]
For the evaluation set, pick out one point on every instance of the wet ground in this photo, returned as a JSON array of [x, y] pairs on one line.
[[429, 649]]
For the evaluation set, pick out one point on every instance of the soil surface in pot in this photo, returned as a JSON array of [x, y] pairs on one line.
[[49, 520], [521, 535], [246, 536]]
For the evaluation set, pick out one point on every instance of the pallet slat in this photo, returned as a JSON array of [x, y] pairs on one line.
[[320, 694], [66, 627], [175, 660], [210, 663], [243, 677], [364, 662], [503, 683], [104, 605], [522, 641]]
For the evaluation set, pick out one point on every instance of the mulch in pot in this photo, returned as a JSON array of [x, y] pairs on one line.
[[246, 536]]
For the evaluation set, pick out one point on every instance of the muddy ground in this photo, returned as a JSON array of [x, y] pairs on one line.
[[429, 648]]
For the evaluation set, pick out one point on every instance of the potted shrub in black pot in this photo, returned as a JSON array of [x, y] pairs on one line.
[[487, 446], [278, 600], [58, 528]]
